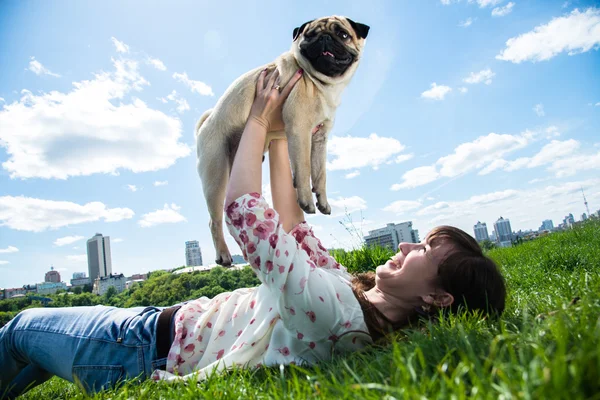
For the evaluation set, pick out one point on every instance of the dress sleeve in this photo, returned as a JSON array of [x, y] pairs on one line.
[[318, 254], [311, 301]]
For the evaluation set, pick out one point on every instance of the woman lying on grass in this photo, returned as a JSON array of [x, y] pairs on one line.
[[306, 307]]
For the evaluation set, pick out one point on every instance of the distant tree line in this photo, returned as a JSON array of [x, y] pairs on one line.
[[162, 288]]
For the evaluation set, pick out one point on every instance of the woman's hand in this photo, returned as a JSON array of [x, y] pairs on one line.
[[268, 103]]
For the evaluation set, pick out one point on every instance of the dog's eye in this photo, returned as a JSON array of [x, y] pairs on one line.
[[343, 35]]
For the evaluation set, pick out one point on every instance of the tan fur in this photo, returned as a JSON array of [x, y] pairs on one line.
[[313, 101]]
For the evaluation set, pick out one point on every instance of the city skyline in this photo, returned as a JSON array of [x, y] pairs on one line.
[[546, 224], [444, 123]]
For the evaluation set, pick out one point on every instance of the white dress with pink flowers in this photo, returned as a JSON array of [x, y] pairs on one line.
[[303, 310]]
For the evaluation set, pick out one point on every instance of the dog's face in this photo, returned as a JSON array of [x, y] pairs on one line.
[[329, 47]]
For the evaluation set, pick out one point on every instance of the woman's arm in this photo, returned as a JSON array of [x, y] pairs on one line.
[[283, 192], [246, 172]]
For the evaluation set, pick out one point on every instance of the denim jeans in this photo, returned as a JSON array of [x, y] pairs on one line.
[[97, 347]]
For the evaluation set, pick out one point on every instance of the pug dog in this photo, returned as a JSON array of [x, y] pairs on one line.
[[328, 49]]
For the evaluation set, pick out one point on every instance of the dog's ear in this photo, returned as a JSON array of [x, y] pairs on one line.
[[361, 30], [299, 30]]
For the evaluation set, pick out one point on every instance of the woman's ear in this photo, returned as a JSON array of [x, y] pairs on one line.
[[439, 299]]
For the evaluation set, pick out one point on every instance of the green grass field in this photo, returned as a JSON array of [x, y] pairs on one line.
[[520, 356]]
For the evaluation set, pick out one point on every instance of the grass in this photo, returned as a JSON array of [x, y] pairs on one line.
[[520, 356]]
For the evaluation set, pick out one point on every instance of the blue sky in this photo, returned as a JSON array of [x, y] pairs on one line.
[[459, 111]]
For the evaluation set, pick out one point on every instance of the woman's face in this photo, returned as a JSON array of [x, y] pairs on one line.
[[410, 275]]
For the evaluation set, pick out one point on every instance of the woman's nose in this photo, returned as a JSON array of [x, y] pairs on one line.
[[406, 248]]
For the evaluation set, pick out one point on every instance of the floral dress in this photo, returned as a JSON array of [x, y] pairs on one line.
[[303, 310]]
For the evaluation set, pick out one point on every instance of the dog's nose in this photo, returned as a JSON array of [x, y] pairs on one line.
[[325, 38]]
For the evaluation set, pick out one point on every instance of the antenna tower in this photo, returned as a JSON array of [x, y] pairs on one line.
[[585, 202]]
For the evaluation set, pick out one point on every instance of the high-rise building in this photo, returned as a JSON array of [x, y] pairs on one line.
[[52, 276], [569, 221], [503, 231], [481, 232], [392, 235], [193, 254], [98, 255], [547, 225], [79, 275], [584, 217]]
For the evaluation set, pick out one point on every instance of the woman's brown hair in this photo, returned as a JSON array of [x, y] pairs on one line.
[[471, 277]]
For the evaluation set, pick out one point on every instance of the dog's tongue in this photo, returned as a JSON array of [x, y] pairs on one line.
[[327, 53]]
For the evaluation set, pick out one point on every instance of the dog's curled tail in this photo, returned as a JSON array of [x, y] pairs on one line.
[[201, 121]]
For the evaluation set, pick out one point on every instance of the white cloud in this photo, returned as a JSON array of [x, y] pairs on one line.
[[77, 257], [3, 262], [81, 132], [471, 155], [539, 110], [437, 92], [9, 249], [597, 104], [120, 46], [401, 158], [552, 131], [67, 240], [195, 86], [577, 32], [502, 11], [350, 152], [481, 152], [549, 153], [434, 208], [182, 104], [486, 3], [156, 63], [557, 155], [2, 100], [571, 165], [463, 89], [161, 183], [417, 177], [466, 23], [168, 215], [485, 75], [36, 215], [37, 68], [520, 206], [494, 165], [342, 205], [401, 206], [116, 240], [352, 174], [132, 188]]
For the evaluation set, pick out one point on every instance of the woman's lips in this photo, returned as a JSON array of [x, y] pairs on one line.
[[395, 261]]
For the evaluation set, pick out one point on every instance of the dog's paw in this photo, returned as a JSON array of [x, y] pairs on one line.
[[324, 208], [224, 260], [307, 206]]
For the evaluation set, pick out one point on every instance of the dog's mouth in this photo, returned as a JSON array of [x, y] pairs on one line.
[[328, 61]]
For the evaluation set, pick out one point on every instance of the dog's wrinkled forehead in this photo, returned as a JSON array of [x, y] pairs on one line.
[[357, 32]]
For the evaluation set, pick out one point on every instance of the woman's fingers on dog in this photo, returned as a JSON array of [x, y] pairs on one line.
[[260, 85], [290, 85], [272, 77]]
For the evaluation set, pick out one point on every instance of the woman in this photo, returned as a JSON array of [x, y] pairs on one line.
[[306, 307]]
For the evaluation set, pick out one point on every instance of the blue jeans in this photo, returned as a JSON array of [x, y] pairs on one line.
[[97, 347]]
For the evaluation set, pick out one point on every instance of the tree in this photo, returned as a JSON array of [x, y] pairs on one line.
[[77, 290], [110, 293], [487, 245]]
